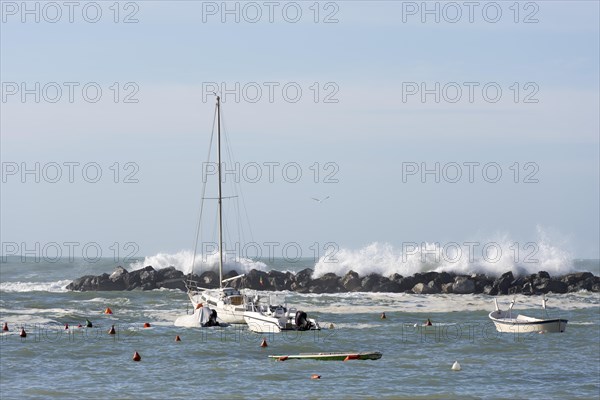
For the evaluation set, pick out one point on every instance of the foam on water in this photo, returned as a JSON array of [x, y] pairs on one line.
[[104, 300], [349, 303], [58, 286]]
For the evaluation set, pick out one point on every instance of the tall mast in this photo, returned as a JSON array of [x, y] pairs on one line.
[[220, 197]]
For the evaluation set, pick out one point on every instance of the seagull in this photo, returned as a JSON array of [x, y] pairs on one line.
[[321, 200]]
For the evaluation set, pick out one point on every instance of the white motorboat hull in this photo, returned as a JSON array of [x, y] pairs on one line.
[[261, 323], [523, 324]]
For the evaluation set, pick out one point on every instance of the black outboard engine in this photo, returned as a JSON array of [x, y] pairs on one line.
[[212, 320], [302, 322]]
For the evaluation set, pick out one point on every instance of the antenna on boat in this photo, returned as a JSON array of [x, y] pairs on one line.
[[510, 307], [220, 200], [544, 300]]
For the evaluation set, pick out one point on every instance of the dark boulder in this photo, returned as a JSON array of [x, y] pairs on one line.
[[444, 277], [423, 283], [481, 281], [502, 283], [421, 288], [352, 282], [328, 283], [463, 285], [280, 280], [552, 285], [257, 280]]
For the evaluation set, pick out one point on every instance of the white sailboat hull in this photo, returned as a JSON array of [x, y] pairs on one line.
[[230, 308]]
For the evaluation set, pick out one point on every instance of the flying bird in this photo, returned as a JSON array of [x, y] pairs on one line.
[[321, 200]]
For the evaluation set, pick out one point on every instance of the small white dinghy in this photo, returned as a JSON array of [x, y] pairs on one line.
[[507, 321]]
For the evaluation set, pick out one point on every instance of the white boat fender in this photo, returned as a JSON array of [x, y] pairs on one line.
[[456, 366]]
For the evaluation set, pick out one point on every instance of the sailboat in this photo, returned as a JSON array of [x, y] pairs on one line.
[[227, 302]]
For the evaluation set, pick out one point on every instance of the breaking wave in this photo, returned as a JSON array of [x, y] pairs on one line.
[[182, 260], [493, 258]]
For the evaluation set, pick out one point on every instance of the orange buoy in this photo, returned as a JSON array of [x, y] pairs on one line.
[[264, 342], [199, 305], [282, 358], [137, 357], [146, 325], [112, 331], [315, 376], [383, 315], [351, 357], [108, 311], [23, 334], [5, 327], [177, 338]]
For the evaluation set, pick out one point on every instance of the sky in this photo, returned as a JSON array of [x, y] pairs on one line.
[[108, 105]]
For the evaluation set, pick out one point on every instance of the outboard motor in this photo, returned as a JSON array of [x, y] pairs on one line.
[[302, 322], [212, 320]]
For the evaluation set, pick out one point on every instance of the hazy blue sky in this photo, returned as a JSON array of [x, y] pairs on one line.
[[374, 61]]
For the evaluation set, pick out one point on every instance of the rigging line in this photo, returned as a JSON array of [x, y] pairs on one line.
[[241, 192], [202, 200], [235, 187]]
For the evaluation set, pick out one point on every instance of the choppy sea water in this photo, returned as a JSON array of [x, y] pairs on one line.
[[229, 363]]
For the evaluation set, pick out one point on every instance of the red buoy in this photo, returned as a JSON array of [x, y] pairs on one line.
[[137, 357], [177, 338], [23, 334], [264, 342], [66, 326], [428, 323], [108, 311], [112, 331], [79, 326], [315, 376], [383, 315], [5, 327], [146, 325]]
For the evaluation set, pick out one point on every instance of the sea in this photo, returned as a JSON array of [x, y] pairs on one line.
[[55, 362]]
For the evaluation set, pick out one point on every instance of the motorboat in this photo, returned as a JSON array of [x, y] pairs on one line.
[[512, 322], [270, 314]]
